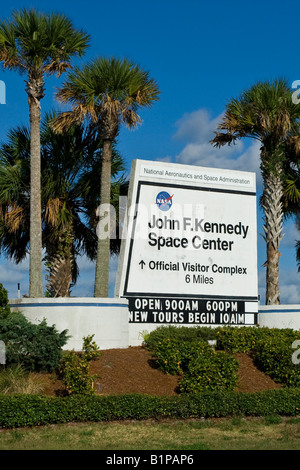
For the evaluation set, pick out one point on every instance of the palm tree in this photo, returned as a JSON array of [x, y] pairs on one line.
[[38, 45], [266, 113], [291, 200], [70, 164], [109, 92]]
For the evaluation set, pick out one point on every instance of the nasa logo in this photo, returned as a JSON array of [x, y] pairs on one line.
[[164, 201]]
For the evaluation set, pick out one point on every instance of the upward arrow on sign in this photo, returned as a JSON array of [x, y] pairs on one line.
[[142, 263]]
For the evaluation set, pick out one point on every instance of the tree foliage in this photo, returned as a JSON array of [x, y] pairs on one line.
[[71, 163], [107, 92], [266, 112], [38, 44]]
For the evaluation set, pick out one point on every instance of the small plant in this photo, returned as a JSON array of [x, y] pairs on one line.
[[15, 379], [74, 370], [90, 348], [145, 336]]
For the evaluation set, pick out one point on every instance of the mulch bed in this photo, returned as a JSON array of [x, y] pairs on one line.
[[133, 370]]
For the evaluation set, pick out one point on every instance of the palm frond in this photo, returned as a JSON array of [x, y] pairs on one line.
[[292, 190], [108, 91], [52, 209], [14, 218], [71, 169], [33, 41]]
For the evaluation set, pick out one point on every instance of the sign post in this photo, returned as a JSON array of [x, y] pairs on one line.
[[189, 246]]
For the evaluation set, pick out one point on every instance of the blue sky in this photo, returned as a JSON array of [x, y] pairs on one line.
[[201, 54]]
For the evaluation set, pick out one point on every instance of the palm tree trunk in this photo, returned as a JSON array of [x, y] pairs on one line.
[[272, 205], [35, 92], [103, 250], [60, 278], [61, 264]]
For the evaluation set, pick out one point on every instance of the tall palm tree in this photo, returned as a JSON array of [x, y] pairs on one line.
[[265, 112], [291, 201], [38, 44], [109, 92], [70, 164]]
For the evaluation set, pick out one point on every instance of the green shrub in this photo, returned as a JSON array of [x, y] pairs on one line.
[[246, 338], [271, 348], [172, 355], [274, 357], [184, 351], [38, 347], [34, 410], [74, 368], [179, 333], [167, 355], [236, 339], [4, 307], [212, 371], [74, 373], [199, 365], [194, 351]]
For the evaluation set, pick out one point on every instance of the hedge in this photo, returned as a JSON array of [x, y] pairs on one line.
[[33, 410], [184, 351], [271, 349], [247, 338]]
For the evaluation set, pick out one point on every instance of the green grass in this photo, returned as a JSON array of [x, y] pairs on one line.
[[271, 433]]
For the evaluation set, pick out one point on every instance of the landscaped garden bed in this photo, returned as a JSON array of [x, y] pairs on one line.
[[177, 373]]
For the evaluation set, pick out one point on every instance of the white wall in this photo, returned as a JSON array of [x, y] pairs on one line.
[[107, 319], [279, 316]]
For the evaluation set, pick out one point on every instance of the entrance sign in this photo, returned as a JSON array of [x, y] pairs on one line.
[[189, 245]]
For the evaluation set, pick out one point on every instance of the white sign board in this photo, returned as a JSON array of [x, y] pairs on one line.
[[189, 249]]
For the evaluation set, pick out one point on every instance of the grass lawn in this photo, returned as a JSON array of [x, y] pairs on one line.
[[271, 433]]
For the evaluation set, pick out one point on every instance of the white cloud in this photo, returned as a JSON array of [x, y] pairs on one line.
[[85, 283], [289, 285], [291, 234], [290, 288], [196, 129], [290, 295], [196, 126], [12, 274], [85, 264]]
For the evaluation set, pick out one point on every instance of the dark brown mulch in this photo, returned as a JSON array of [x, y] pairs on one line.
[[250, 378], [133, 370]]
